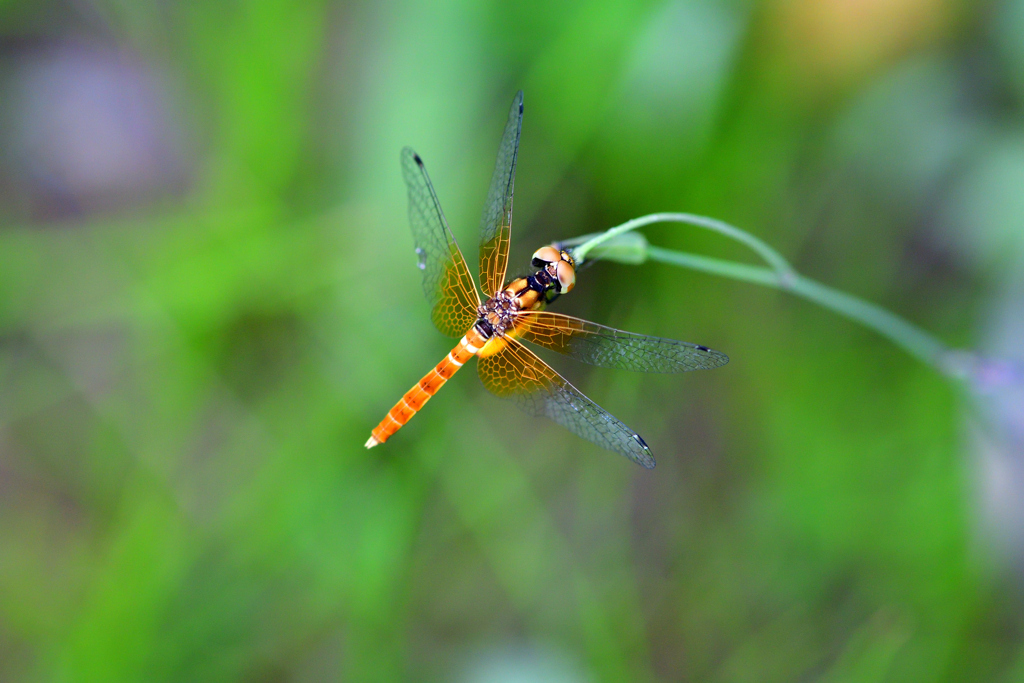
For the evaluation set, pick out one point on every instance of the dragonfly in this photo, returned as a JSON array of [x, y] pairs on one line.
[[493, 328]]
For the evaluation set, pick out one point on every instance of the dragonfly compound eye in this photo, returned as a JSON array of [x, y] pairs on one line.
[[544, 256], [566, 275]]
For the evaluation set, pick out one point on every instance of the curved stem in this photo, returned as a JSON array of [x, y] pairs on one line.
[[960, 364], [916, 341], [770, 256]]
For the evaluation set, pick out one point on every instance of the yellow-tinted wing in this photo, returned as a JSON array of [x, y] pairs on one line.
[[447, 281], [610, 348], [496, 225], [517, 374]]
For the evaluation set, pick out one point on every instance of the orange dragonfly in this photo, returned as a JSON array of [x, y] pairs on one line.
[[492, 329]]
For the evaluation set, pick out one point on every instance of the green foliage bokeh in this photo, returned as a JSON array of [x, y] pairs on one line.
[[187, 376]]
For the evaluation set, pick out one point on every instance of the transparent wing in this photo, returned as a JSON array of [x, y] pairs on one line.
[[447, 281], [610, 348], [516, 373], [496, 225]]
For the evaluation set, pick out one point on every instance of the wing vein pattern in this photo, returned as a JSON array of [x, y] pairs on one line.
[[447, 281], [518, 374], [496, 224], [608, 347]]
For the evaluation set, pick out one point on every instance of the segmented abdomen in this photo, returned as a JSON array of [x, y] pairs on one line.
[[413, 401]]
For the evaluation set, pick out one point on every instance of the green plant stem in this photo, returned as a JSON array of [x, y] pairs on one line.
[[780, 275], [911, 338], [771, 257]]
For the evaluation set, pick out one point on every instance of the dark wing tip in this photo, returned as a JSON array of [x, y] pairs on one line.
[[409, 152], [646, 458], [717, 355]]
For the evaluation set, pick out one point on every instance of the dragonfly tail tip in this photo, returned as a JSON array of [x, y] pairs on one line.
[[371, 442]]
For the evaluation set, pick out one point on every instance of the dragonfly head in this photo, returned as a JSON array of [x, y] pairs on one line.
[[559, 265]]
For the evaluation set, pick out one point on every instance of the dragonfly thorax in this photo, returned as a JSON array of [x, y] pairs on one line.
[[499, 313]]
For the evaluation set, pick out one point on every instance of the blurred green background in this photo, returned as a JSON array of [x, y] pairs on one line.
[[208, 297]]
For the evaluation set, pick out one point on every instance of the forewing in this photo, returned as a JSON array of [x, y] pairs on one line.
[[610, 348], [447, 281], [516, 373], [496, 225]]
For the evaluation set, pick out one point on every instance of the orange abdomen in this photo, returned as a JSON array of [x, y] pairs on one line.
[[414, 399]]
